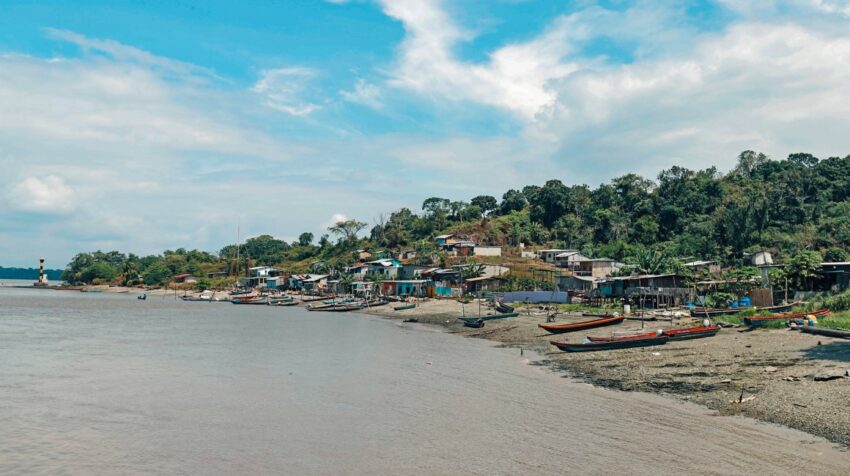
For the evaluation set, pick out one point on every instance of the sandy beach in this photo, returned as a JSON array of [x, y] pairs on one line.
[[782, 376]]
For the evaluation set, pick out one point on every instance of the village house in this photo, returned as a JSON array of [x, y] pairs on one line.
[[651, 290], [703, 267], [597, 267], [569, 259], [759, 258], [446, 240], [836, 275], [308, 282], [386, 268], [185, 278], [549, 255], [258, 275], [577, 285]]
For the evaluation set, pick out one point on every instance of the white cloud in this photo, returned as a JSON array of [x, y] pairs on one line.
[[49, 194], [515, 78], [364, 93], [283, 89], [335, 218]]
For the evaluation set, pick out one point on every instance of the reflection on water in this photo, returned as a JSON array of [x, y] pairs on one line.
[[107, 384]]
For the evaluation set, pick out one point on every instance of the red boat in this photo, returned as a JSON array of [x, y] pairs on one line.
[[760, 320], [579, 326], [673, 334], [624, 343]]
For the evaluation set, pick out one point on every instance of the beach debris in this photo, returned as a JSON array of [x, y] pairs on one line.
[[791, 378], [831, 375], [770, 369], [800, 405], [726, 380], [656, 354], [743, 400]]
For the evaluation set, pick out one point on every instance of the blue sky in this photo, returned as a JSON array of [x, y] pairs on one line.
[[156, 124]]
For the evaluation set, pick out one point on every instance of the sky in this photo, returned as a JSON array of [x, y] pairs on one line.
[[156, 124]]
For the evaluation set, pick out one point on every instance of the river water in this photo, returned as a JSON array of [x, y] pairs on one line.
[[107, 384]]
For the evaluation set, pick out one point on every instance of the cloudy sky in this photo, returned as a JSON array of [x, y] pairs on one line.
[[151, 124]]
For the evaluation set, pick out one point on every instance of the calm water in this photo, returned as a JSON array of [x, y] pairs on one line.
[[106, 384]]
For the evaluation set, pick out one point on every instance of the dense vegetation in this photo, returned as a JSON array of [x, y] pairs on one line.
[[28, 273], [798, 208]]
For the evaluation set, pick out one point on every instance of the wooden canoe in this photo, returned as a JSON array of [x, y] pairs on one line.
[[684, 333], [579, 326], [404, 307], [626, 343], [761, 320], [821, 331]]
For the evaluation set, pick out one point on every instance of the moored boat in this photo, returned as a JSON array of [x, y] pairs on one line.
[[695, 332], [625, 343], [578, 326]]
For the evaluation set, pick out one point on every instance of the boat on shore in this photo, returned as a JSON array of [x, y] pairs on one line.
[[504, 308], [624, 343], [284, 303], [475, 321], [822, 331], [685, 333], [404, 307], [579, 326], [714, 312], [755, 321]]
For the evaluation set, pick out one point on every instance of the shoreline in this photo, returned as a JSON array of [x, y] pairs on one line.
[[775, 369]]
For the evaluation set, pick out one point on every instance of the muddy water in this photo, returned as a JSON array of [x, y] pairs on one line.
[[106, 384]]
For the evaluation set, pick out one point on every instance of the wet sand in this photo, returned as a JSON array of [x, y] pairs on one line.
[[776, 367]]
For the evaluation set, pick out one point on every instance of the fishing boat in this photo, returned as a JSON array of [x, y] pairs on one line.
[[279, 300], [404, 307], [312, 298], [474, 322], [821, 331], [579, 326], [341, 300], [685, 333], [695, 332], [504, 308], [251, 300], [756, 321], [491, 317], [624, 343], [714, 312], [284, 303]]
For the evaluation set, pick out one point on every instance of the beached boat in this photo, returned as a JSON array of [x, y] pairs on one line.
[[821, 331], [695, 332], [284, 303], [492, 317], [625, 343], [192, 298], [341, 300], [714, 312], [685, 333], [473, 322], [578, 326], [282, 299], [755, 321], [504, 308], [404, 307]]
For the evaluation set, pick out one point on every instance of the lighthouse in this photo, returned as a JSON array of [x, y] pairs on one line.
[[42, 278]]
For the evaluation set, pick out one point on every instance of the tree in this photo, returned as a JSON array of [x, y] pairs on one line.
[[157, 274], [347, 229], [512, 200], [305, 239], [803, 268], [835, 255], [549, 203], [485, 202]]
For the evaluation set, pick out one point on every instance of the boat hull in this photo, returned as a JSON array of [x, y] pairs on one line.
[[580, 326], [612, 345], [825, 332]]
